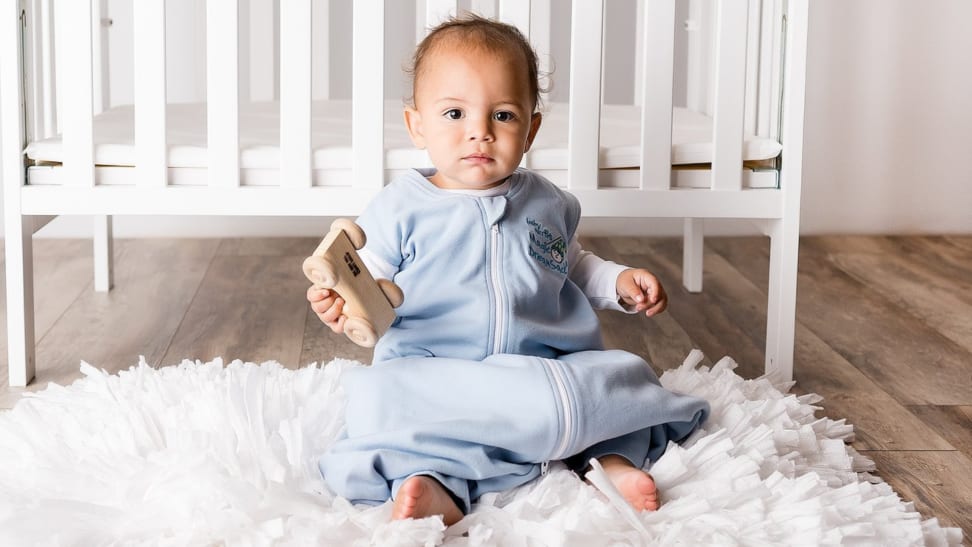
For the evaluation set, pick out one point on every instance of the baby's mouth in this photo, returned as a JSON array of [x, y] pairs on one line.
[[478, 158]]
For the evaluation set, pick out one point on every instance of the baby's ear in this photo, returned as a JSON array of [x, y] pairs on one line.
[[413, 122], [534, 127]]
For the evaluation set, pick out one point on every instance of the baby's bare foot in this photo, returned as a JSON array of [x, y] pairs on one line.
[[422, 496], [637, 486]]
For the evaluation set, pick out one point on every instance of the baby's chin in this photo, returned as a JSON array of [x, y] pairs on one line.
[[468, 183]]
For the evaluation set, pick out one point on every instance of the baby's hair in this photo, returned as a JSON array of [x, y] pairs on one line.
[[478, 32]]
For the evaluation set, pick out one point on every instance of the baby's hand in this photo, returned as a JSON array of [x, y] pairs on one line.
[[642, 291], [328, 306]]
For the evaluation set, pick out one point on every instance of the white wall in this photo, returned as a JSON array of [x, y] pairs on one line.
[[888, 117], [888, 122]]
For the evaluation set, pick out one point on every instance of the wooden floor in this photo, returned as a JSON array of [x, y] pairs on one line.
[[884, 329]]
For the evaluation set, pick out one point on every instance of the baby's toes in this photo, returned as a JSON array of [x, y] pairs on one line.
[[648, 491], [651, 503]]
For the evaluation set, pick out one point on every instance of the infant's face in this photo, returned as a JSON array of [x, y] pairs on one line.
[[474, 114]]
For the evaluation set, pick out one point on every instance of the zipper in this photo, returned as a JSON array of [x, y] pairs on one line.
[[498, 296], [560, 380]]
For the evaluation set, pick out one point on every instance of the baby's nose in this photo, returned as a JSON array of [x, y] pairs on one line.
[[480, 130]]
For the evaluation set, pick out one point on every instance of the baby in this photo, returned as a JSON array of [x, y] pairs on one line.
[[495, 364]]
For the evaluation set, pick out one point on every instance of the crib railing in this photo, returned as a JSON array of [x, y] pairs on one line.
[[733, 75], [52, 80]]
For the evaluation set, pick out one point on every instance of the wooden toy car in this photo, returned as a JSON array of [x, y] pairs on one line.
[[335, 265]]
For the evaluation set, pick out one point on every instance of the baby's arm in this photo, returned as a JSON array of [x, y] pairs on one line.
[[613, 286]]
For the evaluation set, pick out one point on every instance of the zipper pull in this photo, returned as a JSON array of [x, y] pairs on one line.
[[543, 468]]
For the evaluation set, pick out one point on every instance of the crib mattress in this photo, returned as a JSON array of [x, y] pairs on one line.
[[331, 138]]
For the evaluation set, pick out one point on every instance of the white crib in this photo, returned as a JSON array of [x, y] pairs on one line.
[[734, 152]]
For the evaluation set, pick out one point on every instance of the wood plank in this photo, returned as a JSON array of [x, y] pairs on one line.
[[962, 242], [935, 254], [953, 423], [249, 307], [886, 343], [938, 482], [880, 421], [946, 255], [155, 281], [944, 303]]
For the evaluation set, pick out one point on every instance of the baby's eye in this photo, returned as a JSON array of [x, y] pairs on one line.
[[504, 116], [453, 114]]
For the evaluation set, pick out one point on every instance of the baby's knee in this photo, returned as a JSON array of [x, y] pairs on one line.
[[371, 401]]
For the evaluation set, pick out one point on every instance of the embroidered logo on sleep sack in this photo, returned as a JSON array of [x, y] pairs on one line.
[[547, 248]]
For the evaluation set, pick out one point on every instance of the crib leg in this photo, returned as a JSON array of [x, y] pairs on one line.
[[103, 254], [692, 243], [781, 306], [20, 299]]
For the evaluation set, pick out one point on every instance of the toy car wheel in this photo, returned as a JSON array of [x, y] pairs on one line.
[[392, 292], [320, 272], [361, 332], [355, 233]]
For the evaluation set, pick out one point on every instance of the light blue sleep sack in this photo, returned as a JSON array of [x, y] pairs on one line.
[[485, 426], [482, 379]]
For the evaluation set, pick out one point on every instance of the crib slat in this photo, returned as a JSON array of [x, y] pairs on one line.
[[516, 13], [367, 91], [321, 44], [764, 88], [485, 8], [437, 11], [99, 58], [699, 49], [752, 67], [258, 69], [76, 86], [730, 70], [584, 110], [540, 33], [150, 93], [222, 94], [658, 51], [11, 122], [47, 63], [36, 75], [772, 76], [295, 93]]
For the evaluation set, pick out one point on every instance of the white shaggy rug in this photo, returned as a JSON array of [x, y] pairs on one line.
[[202, 454]]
